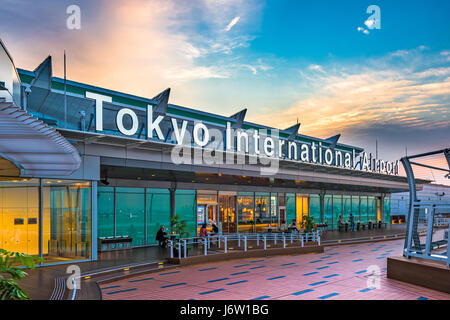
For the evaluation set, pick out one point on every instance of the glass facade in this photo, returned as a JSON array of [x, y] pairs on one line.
[[314, 208], [387, 209], [130, 214], [337, 210], [19, 216], [185, 208], [371, 212], [363, 209], [158, 212], [105, 211], [65, 214], [328, 210], [355, 208], [66, 220], [245, 211], [290, 208]]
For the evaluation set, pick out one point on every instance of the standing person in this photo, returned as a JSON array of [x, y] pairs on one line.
[[161, 237], [215, 229], [352, 223]]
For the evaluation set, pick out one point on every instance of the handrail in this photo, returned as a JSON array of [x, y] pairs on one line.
[[224, 239]]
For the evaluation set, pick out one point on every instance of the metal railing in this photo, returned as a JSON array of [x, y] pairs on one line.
[[242, 240]]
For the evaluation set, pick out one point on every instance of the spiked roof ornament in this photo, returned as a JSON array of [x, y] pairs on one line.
[[162, 101], [239, 119]]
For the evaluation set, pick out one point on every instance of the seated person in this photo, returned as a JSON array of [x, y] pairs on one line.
[[203, 231], [341, 222], [160, 237], [293, 226], [283, 226]]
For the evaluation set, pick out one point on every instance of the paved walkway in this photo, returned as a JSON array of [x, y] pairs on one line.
[[342, 272]]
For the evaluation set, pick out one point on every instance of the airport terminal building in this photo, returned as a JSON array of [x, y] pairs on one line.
[[79, 163]]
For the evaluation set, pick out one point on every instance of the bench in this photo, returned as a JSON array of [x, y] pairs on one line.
[[114, 243]]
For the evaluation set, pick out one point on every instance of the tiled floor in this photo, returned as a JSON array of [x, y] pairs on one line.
[[344, 272]]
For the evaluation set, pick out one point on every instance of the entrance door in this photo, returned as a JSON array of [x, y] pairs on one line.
[[227, 212]]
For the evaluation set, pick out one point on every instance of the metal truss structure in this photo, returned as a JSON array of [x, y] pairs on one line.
[[436, 246]]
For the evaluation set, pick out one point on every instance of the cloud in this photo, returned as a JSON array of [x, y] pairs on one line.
[[406, 102], [232, 23]]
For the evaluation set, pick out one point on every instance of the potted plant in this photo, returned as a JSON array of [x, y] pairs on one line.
[[179, 228], [10, 273]]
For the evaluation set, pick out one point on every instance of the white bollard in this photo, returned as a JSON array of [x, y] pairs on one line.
[[219, 239], [185, 248], [275, 241], [302, 240], [257, 239], [264, 242], [171, 248], [245, 243], [205, 245], [179, 249], [239, 240], [284, 241], [291, 238]]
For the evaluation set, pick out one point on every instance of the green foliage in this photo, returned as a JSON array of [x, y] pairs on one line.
[[179, 227], [10, 273], [307, 223]]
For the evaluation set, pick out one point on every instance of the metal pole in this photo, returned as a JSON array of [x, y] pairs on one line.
[[226, 249], [257, 239], [264, 242], [245, 243], [219, 239], [171, 248], [239, 240], [205, 245], [284, 241], [301, 237], [275, 240], [179, 249], [184, 248], [291, 238]]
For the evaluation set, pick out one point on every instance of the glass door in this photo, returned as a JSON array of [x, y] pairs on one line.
[[227, 212]]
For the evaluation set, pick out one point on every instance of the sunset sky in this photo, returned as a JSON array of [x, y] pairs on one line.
[[313, 60]]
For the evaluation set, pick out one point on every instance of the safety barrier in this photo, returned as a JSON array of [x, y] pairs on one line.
[[221, 241]]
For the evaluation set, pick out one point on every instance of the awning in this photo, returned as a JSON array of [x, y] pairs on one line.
[[35, 148]]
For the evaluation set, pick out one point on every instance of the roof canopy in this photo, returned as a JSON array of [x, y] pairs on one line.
[[32, 146]]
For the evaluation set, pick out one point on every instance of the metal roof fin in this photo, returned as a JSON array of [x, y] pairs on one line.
[[333, 140], [43, 74], [239, 118], [163, 101], [292, 131]]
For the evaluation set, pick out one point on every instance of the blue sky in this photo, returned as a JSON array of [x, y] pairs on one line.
[[281, 59]]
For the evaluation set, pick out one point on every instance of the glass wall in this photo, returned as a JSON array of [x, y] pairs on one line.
[[274, 218], [363, 209], [314, 208], [227, 212], [328, 210], [346, 208], [387, 209], [130, 217], [337, 210], [245, 206], [105, 211], [206, 209], [19, 216], [185, 207], [372, 215], [355, 208], [262, 211], [66, 220], [158, 212], [290, 208], [302, 208]]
